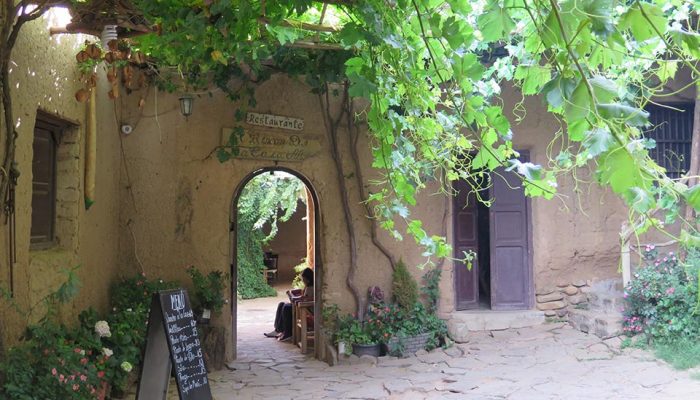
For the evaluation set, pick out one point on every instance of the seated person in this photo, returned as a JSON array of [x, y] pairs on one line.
[[283, 317]]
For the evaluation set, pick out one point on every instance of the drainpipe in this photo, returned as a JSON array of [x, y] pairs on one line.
[[90, 151]]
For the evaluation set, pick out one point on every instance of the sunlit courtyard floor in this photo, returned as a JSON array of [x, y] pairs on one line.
[[551, 361]]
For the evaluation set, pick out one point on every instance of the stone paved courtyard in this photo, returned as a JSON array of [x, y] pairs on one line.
[[551, 361]]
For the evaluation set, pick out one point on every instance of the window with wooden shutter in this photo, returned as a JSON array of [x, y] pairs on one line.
[[46, 137], [672, 130]]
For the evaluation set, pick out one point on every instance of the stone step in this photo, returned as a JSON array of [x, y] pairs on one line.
[[612, 302], [460, 323], [602, 324]]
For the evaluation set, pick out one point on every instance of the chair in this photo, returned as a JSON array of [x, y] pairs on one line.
[[303, 330], [270, 261]]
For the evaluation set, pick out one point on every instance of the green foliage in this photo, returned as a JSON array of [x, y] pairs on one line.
[[130, 298], [298, 283], [435, 107], [431, 289], [208, 290], [265, 201], [404, 287], [682, 354], [661, 300]]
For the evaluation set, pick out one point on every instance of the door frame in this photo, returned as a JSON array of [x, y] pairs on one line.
[[233, 250]]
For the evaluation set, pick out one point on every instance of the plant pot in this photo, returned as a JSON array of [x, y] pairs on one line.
[[204, 317], [373, 350], [405, 346], [341, 348]]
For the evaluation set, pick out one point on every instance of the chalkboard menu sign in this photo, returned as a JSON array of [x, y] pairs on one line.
[[172, 341]]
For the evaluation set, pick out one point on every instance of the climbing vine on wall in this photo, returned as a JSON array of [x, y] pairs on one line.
[[265, 201]]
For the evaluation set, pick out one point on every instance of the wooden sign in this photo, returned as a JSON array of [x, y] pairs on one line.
[[273, 146], [275, 121], [172, 341]]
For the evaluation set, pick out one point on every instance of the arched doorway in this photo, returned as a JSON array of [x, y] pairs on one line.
[[313, 258]]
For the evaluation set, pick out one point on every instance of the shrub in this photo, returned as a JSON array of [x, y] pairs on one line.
[[661, 300], [404, 287], [208, 290]]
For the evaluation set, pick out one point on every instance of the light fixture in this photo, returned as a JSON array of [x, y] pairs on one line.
[[109, 33], [186, 101]]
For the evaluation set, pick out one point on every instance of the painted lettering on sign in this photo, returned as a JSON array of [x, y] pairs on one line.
[[273, 146], [275, 121]]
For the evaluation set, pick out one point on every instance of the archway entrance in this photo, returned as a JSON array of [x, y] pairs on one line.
[[274, 237]]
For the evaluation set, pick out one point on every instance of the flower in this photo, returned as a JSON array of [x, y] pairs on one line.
[[76, 387], [126, 366], [100, 374], [670, 290], [107, 352], [102, 329], [53, 371]]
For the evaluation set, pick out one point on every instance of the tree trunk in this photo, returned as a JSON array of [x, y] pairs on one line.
[[694, 170], [332, 128]]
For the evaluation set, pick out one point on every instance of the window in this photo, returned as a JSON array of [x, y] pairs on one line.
[[672, 130], [46, 139]]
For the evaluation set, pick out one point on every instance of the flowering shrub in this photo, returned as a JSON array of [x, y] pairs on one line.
[[661, 301], [54, 362]]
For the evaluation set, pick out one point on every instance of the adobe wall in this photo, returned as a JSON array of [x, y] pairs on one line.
[[44, 76]]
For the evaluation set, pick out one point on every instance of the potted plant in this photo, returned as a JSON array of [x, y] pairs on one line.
[[208, 293], [360, 335]]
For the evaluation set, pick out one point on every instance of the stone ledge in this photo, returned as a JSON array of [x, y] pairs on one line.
[[460, 323]]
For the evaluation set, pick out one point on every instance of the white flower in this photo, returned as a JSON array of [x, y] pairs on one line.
[[107, 352], [102, 329], [126, 366], [128, 310]]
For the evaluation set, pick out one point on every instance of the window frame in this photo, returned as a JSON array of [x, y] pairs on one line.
[[56, 128], [667, 143]]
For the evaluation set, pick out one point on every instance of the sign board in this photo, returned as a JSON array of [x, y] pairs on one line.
[[172, 342], [275, 121], [273, 146]]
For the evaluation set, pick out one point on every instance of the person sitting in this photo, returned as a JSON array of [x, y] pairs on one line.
[[283, 317]]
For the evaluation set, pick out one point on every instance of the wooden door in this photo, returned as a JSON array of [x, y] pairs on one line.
[[511, 276], [464, 223]]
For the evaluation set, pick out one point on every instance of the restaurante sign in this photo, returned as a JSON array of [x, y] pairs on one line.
[[275, 121], [272, 146]]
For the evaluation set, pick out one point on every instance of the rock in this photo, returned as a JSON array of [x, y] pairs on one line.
[[570, 290], [545, 290], [552, 305], [579, 283], [578, 299], [549, 297], [550, 313], [562, 313], [562, 284]]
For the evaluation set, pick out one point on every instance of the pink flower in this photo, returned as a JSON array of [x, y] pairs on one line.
[[83, 378], [670, 290], [76, 387], [53, 371], [100, 374]]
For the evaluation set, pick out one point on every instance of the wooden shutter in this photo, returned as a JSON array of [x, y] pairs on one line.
[[43, 185]]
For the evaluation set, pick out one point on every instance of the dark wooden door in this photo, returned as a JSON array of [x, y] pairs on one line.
[[511, 277], [464, 224]]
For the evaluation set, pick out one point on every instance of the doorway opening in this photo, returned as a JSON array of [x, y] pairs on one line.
[[500, 277], [274, 239]]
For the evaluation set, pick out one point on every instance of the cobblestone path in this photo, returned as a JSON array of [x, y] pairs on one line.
[[551, 361]]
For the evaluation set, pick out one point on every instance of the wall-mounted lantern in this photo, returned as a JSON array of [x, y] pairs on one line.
[[186, 102]]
